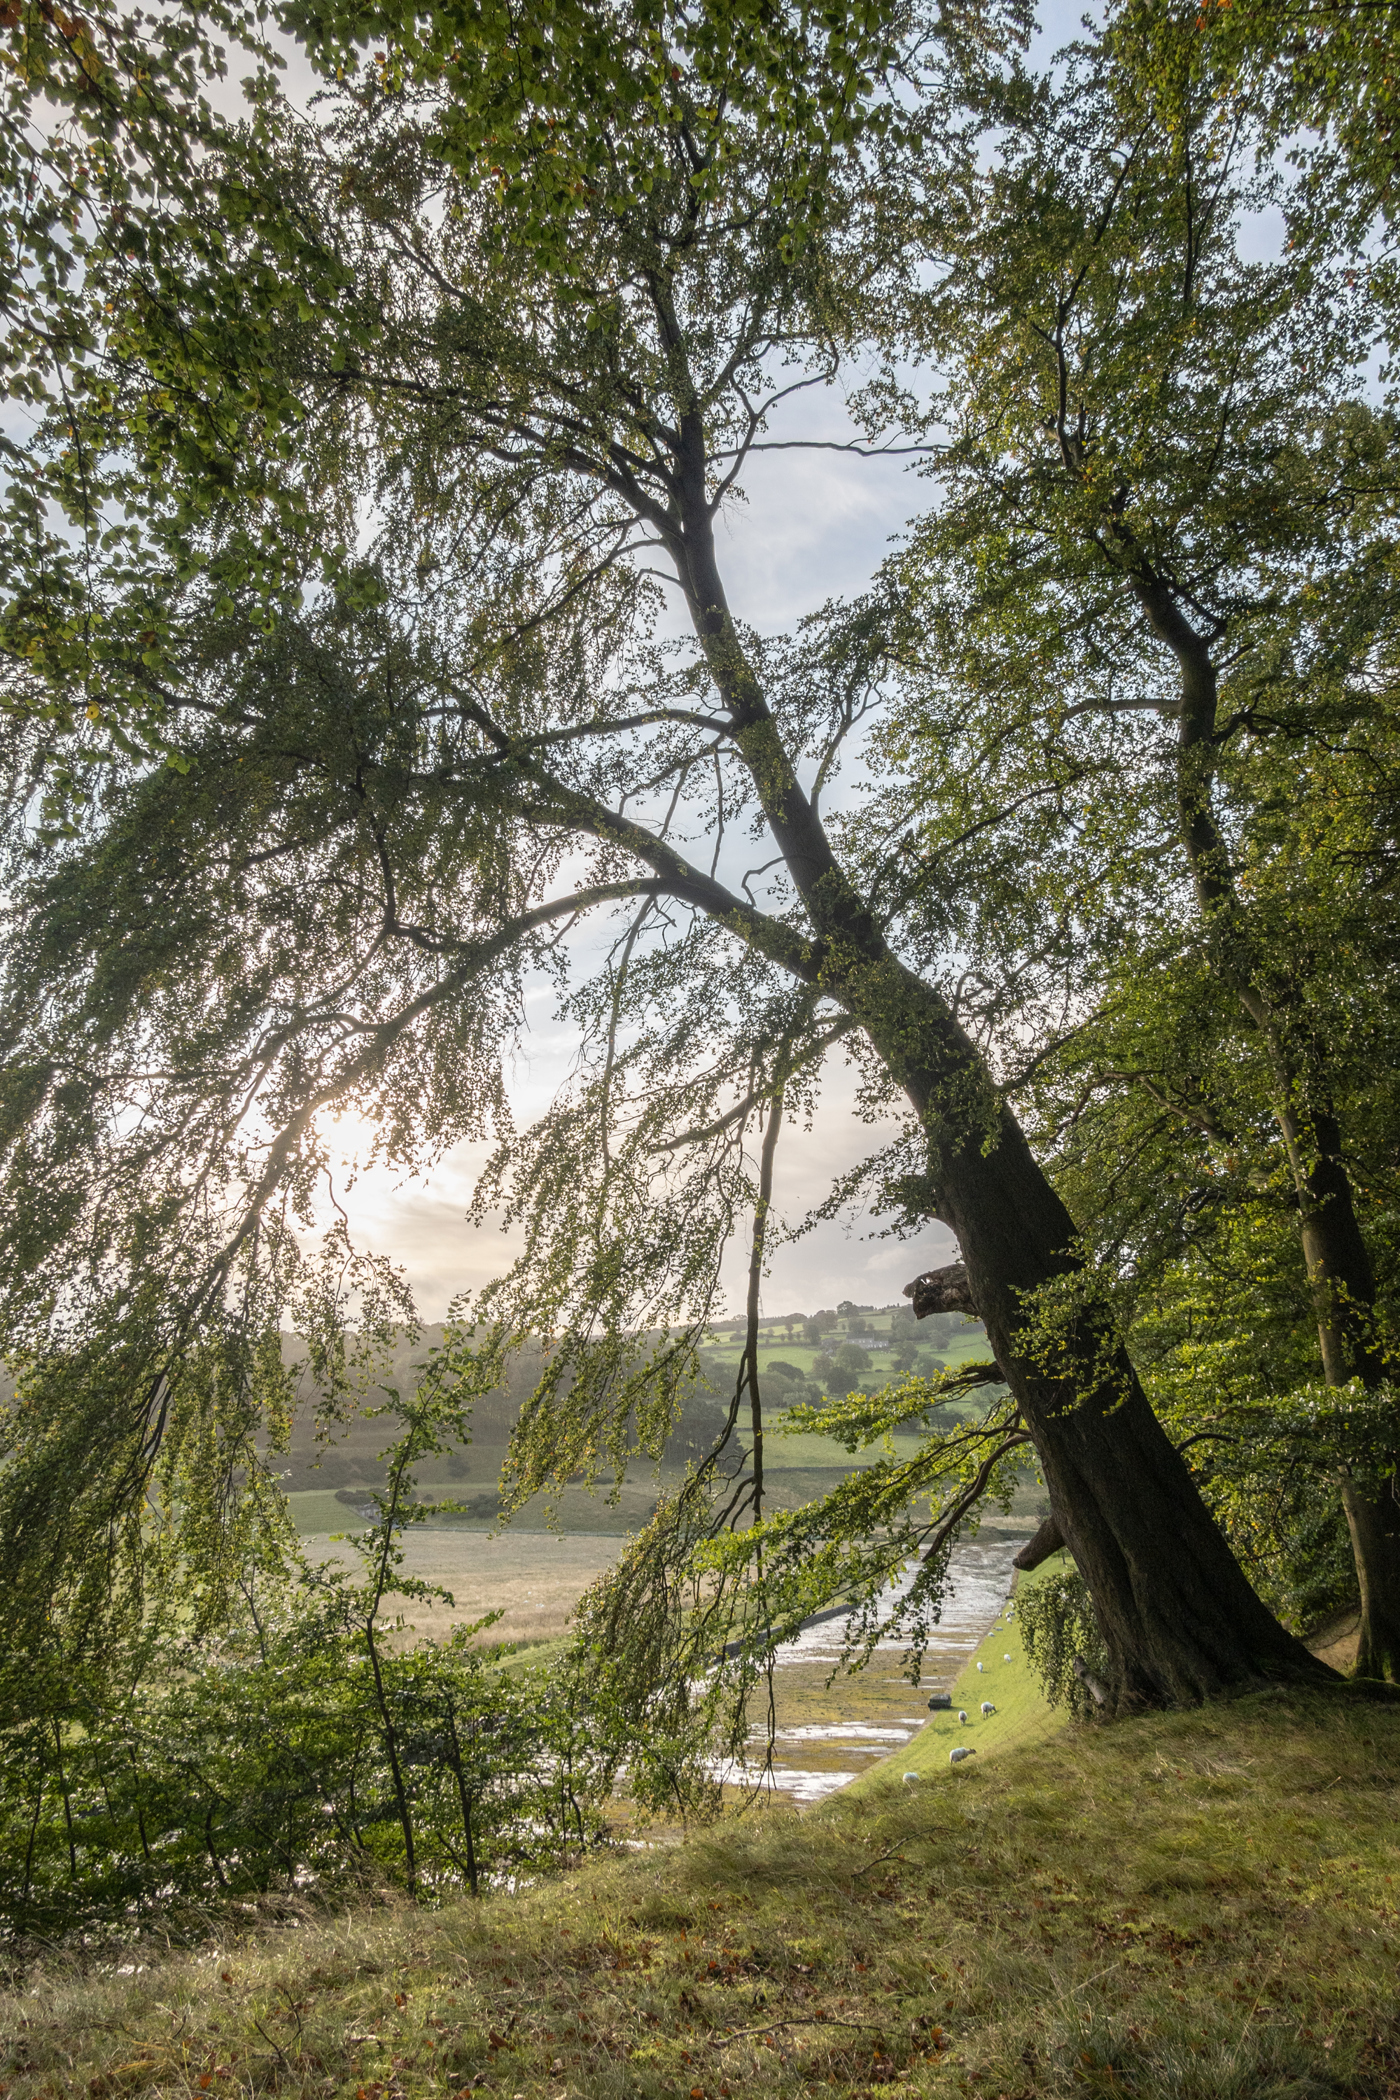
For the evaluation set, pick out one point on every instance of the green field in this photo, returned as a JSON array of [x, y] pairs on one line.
[[966, 1340], [1022, 1716], [784, 1453], [1189, 1906], [328, 1482]]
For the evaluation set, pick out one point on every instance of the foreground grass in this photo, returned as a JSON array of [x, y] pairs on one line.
[[1198, 1906]]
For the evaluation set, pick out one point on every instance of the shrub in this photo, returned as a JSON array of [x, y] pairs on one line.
[[295, 1746], [310, 1760]]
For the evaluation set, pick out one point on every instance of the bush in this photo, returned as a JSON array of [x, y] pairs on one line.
[[294, 1746], [311, 1760]]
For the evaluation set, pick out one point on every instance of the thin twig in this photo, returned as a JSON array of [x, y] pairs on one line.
[[274, 2046], [878, 1862], [738, 2034]]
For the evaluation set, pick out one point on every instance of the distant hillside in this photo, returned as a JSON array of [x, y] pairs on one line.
[[349, 1455]]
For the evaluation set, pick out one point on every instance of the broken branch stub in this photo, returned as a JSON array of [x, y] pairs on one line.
[[1049, 1539], [941, 1291]]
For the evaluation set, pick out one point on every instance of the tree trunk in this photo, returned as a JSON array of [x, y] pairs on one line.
[[1340, 1277], [1374, 1524], [1343, 1289], [1179, 1619]]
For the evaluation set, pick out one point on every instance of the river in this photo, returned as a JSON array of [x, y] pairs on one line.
[[827, 1734]]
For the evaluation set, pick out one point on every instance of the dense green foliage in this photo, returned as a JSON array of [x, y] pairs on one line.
[[369, 798], [141, 427], [302, 1739], [236, 1766], [1055, 1617]]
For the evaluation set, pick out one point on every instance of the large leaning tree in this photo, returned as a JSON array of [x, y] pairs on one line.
[[571, 295], [1147, 645]]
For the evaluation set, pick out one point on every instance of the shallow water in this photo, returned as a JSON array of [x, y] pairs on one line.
[[827, 1734]]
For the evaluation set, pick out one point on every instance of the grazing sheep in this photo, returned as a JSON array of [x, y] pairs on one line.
[[962, 1716], [955, 1757], [981, 1666], [1006, 1658], [910, 1777], [987, 1708]]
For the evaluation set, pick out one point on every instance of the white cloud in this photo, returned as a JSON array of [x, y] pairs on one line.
[[813, 525]]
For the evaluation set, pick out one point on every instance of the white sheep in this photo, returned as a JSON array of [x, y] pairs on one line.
[[962, 1716], [1006, 1658], [981, 1666], [955, 1757], [987, 1708], [910, 1777]]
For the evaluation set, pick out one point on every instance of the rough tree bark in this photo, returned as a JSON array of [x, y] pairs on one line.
[[948, 1290], [1344, 1291], [941, 1291], [1178, 1617]]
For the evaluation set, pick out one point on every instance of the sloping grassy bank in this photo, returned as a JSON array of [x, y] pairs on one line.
[[1200, 1906]]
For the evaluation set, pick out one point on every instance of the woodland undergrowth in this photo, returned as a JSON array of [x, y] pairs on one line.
[[1200, 1906]]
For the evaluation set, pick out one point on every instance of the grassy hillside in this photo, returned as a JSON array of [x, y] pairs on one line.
[[324, 1481], [951, 1338], [1193, 1907]]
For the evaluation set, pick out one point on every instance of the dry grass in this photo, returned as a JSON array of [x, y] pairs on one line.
[[534, 1579], [1338, 1639], [1193, 1907]]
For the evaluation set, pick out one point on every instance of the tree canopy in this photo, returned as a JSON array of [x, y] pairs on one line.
[[446, 703]]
